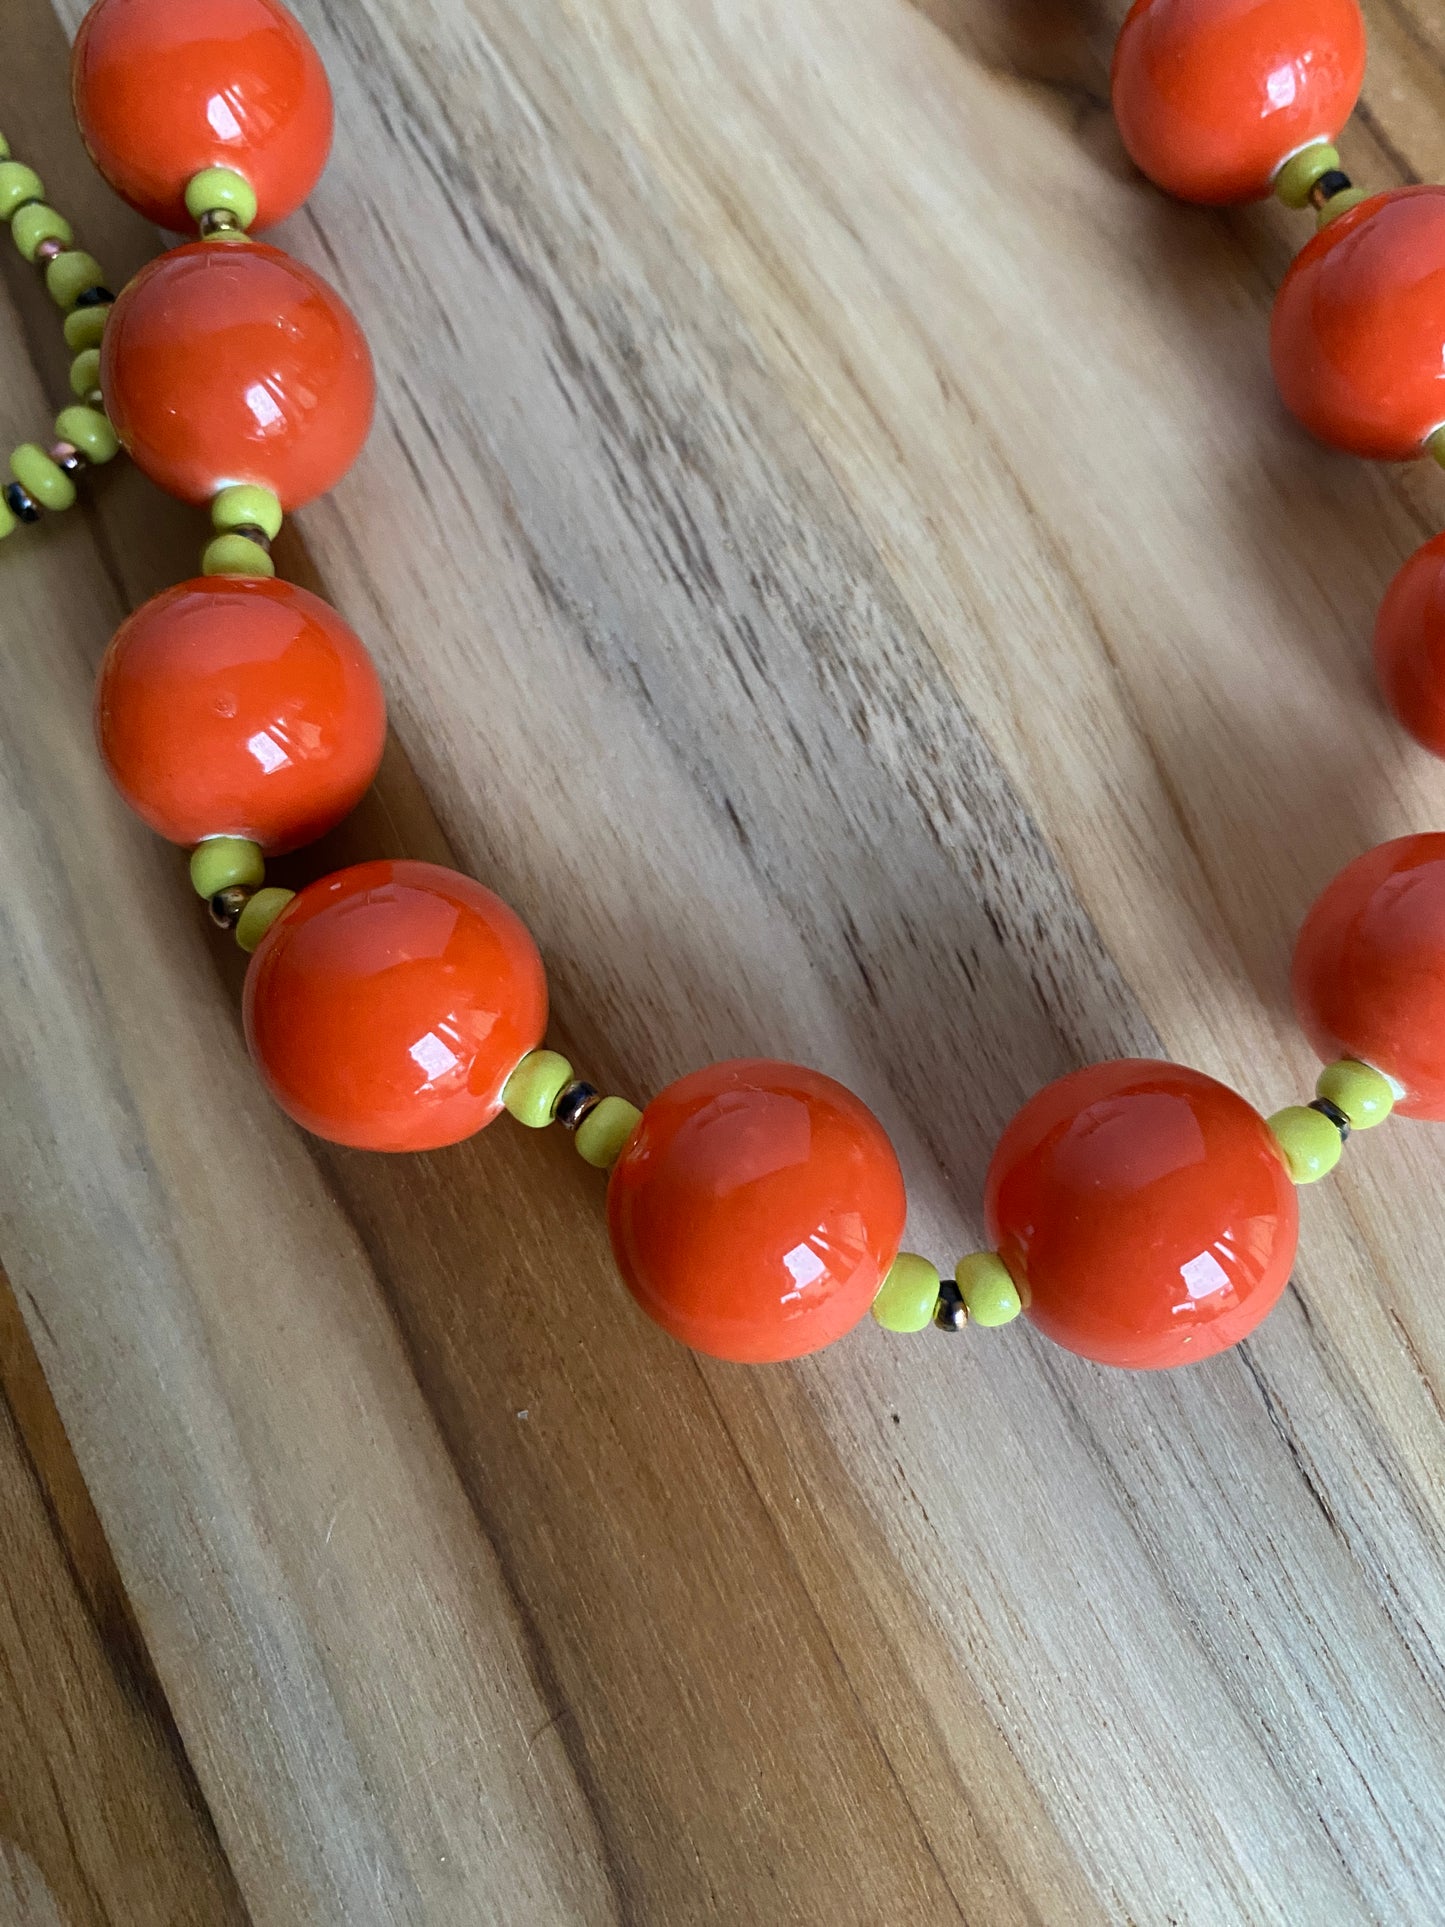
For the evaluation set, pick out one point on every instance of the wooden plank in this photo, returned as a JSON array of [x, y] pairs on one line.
[[840, 571]]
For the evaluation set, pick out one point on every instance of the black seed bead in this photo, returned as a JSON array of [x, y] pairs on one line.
[[574, 1104], [95, 298], [20, 504], [1334, 1114], [1329, 185], [950, 1314]]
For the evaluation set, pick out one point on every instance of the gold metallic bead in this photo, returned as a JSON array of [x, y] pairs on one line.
[[226, 906]]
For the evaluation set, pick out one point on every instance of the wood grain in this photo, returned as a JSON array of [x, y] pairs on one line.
[[840, 570]]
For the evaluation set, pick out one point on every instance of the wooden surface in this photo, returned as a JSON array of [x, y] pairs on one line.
[[841, 572]]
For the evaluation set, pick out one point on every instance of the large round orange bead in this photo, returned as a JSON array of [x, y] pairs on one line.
[[1212, 96], [1369, 968], [164, 88], [390, 1003], [1357, 339], [1410, 645], [228, 361], [1145, 1212], [238, 707], [756, 1210]]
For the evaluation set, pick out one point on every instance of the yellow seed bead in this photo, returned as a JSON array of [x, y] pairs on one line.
[[224, 861], [9, 520], [246, 507], [29, 226], [987, 1289], [221, 187], [602, 1135], [1363, 1094], [1339, 204], [85, 326], [42, 477], [90, 431], [1300, 172], [1310, 1143], [18, 184], [260, 913], [908, 1294], [85, 372], [69, 275], [535, 1085], [235, 555]]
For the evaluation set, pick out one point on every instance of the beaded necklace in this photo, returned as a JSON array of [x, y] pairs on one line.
[[1140, 1213]]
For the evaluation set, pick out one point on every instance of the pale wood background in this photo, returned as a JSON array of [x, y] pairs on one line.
[[840, 570]]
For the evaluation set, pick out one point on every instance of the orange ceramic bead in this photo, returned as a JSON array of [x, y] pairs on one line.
[[1145, 1213], [1369, 968], [389, 1004], [1357, 338], [1212, 96], [228, 361], [231, 707], [1410, 645], [755, 1210], [164, 88]]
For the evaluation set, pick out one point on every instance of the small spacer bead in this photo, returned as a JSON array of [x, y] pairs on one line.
[[235, 555], [90, 431], [49, 250], [908, 1296], [220, 190], [1339, 204], [1334, 1114], [1308, 1140], [35, 223], [226, 906], [1296, 178], [20, 504], [42, 478], [69, 275], [574, 1104], [988, 1289], [96, 297], [67, 458], [535, 1085], [85, 372], [1361, 1093], [84, 327], [602, 1135], [950, 1314], [19, 185], [260, 913], [245, 506], [221, 862]]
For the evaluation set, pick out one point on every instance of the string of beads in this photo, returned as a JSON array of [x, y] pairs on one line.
[[1139, 1212]]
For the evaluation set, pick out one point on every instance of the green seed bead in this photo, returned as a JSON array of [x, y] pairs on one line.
[[1300, 172], [219, 187], [42, 477], [259, 914], [534, 1087], [69, 275], [246, 507], [85, 372], [908, 1294], [1363, 1094], [4, 148], [18, 184], [222, 862], [988, 1290], [90, 431], [9, 520], [1339, 204], [235, 555], [85, 326], [602, 1135], [36, 223], [1310, 1143]]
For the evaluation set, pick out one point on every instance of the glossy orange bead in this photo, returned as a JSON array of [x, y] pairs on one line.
[[390, 1003], [228, 361], [1145, 1213], [1410, 645], [1212, 96], [164, 88], [755, 1210], [230, 707], [1369, 968], [1357, 339]]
